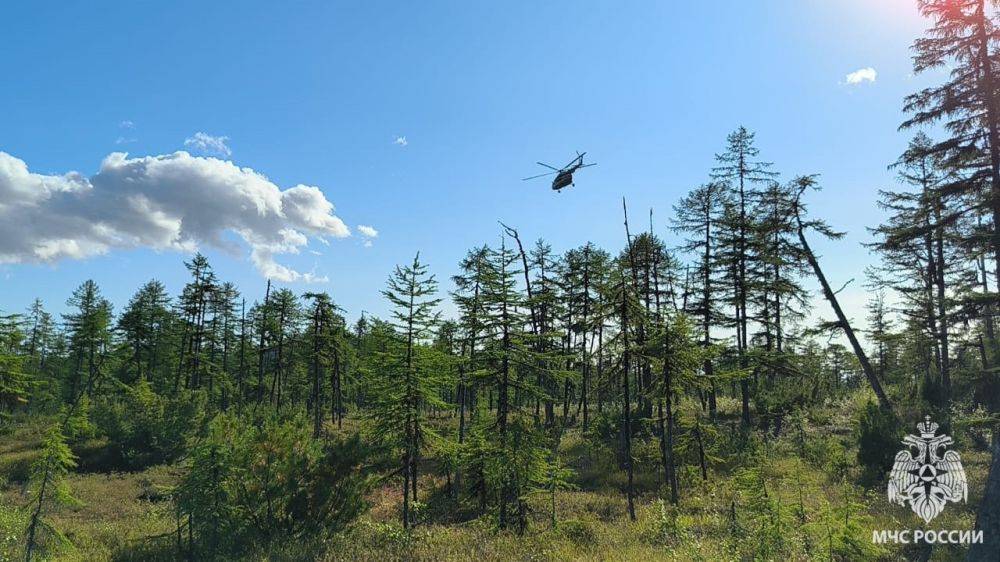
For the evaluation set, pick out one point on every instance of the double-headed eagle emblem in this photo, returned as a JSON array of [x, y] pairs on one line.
[[927, 479]]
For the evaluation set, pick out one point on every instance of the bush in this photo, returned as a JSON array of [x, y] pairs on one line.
[[145, 428], [580, 532], [761, 521], [254, 486], [661, 526], [878, 436], [827, 452]]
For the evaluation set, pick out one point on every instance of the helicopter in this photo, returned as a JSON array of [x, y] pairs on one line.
[[564, 175]]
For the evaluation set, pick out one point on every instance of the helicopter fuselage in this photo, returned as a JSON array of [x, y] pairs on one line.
[[562, 180]]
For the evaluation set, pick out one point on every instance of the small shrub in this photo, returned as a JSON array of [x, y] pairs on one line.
[[828, 452], [145, 428], [418, 512], [661, 527], [580, 532], [878, 435]]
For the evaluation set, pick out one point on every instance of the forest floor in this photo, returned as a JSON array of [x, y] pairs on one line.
[[811, 505]]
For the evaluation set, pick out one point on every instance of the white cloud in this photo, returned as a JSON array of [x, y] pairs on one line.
[[860, 75], [124, 138], [168, 202], [401, 141], [209, 144], [368, 244], [367, 231]]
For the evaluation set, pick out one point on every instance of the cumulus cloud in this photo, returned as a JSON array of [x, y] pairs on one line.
[[126, 124], [860, 75], [168, 202], [401, 141], [367, 231], [209, 144]]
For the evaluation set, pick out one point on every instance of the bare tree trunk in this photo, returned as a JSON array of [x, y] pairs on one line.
[[626, 368]]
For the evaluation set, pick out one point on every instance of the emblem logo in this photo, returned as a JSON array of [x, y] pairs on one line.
[[930, 478]]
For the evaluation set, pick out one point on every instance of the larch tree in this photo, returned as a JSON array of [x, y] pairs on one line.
[[48, 479], [14, 380], [963, 37], [510, 452], [89, 327], [467, 297], [740, 170], [411, 384], [697, 216], [630, 308], [192, 307], [925, 262], [547, 308], [285, 314], [322, 347], [144, 324]]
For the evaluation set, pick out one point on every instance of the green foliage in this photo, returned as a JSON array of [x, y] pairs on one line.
[[52, 467], [78, 425], [555, 477], [89, 338], [253, 485], [845, 532], [878, 435], [934, 393], [504, 473], [697, 441], [13, 522], [145, 428], [760, 522], [605, 427], [663, 527], [15, 383], [579, 531], [48, 487]]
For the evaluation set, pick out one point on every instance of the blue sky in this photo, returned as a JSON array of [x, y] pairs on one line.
[[316, 93]]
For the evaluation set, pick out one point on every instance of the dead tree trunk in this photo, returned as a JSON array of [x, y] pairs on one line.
[[626, 367], [842, 321]]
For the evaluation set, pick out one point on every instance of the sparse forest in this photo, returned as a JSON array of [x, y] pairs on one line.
[[674, 397]]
